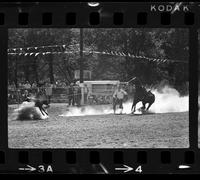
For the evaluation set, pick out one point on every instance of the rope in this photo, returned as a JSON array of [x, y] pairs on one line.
[[112, 53]]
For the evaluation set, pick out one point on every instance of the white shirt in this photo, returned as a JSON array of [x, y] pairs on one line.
[[119, 93]]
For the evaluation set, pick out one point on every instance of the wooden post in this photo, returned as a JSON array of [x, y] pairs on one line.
[[81, 66], [16, 72], [51, 76], [35, 70], [81, 55]]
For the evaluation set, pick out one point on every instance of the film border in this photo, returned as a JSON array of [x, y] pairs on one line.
[[131, 13]]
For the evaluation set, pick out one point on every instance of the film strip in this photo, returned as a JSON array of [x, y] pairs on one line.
[[121, 150]]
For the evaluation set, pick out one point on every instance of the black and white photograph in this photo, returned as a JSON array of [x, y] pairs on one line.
[[199, 90], [98, 88]]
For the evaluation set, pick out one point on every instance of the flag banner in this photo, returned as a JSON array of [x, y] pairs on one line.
[[115, 53]]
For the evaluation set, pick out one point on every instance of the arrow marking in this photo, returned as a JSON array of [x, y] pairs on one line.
[[28, 168], [184, 167], [125, 169]]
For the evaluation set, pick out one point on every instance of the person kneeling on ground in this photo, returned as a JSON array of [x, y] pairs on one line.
[[118, 98]]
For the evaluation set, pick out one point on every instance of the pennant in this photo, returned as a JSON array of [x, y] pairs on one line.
[[31, 54], [112, 52], [124, 54], [36, 54], [26, 54], [116, 53], [120, 54]]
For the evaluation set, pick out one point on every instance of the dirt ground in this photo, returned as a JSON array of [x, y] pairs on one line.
[[168, 130]]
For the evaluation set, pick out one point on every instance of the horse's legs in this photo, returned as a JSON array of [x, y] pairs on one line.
[[149, 106], [151, 102], [144, 107], [44, 111], [41, 110], [133, 106]]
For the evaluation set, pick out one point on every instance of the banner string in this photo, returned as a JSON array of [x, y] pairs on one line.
[[13, 52]]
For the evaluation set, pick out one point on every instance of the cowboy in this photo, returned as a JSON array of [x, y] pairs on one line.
[[118, 98], [71, 95], [49, 91]]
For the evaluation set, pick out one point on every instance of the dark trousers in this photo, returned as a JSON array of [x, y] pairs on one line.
[[49, 98], [78, 100], [85, 98], [117, 102], [71, 100]]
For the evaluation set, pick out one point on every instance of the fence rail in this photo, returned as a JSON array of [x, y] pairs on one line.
[[59, 95]]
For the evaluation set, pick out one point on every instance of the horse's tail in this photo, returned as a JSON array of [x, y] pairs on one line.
[[152, 97]]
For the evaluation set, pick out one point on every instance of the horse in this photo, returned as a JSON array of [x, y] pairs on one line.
[[142, 95], [148, 99], [40, 100]]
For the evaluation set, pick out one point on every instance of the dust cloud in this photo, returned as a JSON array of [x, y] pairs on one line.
[[167, 100]]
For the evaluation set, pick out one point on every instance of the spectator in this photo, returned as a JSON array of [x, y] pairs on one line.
[[34, 85], [12, 86], [20, 85], [40, 87], [78, 95], [27, 85], [86, 92], [71, 95], [75, 92], [25, 95], [48, 91]]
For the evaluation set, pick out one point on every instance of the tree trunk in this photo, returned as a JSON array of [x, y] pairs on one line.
[[26, 68], [51, 76], [16, 72], [35, 68], [81, 55]]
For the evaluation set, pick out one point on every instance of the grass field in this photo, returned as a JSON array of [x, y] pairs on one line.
[[167, 130]]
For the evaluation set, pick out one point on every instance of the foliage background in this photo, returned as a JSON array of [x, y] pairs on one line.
[[153, 43]]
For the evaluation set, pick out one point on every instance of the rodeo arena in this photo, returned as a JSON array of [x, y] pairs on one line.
[[84, 112]]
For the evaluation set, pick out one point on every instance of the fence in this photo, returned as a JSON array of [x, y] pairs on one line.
[[17, 96], [60, 95]]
